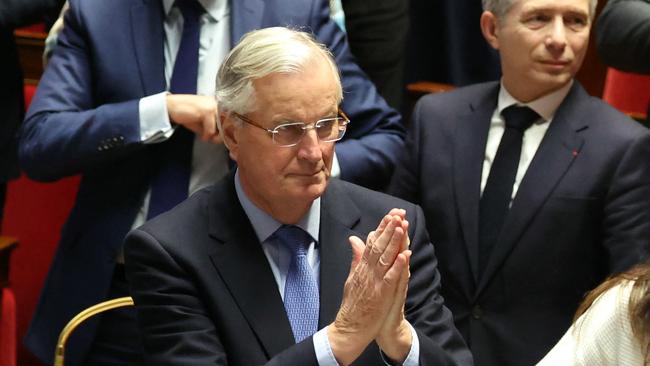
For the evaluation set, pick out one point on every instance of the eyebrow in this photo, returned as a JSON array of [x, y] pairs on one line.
[[283, 120], [570, 9]]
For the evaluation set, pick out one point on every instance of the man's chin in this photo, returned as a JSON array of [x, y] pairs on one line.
[[314, 190]]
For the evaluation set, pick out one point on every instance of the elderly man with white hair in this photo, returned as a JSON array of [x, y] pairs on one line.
[[277, 263]]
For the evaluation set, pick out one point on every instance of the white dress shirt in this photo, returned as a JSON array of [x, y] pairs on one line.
[[209, 160], [545, 107]]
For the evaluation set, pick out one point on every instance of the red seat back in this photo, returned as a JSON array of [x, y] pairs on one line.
[[627, 92]]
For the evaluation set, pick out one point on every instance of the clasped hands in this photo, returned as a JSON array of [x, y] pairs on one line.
[[374, 294], [197, 113]]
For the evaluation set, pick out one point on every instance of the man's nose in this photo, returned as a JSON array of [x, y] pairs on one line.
[[556, 39], [309, 147]]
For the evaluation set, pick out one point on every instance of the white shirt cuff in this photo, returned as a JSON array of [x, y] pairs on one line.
[[323, 349], [154, 120]]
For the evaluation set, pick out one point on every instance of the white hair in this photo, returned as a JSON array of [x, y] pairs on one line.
[[501, 7], [264, 52]]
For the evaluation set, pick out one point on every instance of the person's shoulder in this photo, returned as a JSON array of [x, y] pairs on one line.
[[612, 122], [368, 199], [455, 101], [186, 219], [474, 92]]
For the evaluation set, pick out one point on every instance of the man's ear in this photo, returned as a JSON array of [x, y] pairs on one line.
[[489, 27], [228, 130]]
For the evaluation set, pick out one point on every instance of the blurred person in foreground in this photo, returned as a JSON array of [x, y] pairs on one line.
[[533, 191], [268, 265], [612, 325]]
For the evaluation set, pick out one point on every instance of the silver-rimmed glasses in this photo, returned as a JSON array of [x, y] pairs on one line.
[[290, 134]]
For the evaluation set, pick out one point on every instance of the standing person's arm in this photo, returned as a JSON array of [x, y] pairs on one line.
[[90, 108], [626, 208], [375, 137], [623, 35]]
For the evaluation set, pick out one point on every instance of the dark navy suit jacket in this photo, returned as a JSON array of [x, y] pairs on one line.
[[201, 269], [582, 211], [84, 120]]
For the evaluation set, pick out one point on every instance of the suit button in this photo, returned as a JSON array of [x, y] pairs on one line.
[[477, 312]]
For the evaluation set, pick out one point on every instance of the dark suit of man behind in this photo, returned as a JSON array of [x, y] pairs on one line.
[[581, 210], [207, 279]]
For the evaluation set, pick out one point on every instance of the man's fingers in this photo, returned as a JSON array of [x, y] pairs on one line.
[[407, 241], [398, 212], [405, 275], [392, 249], [209, 127], [358, 248], [375, 251], [393, 275]]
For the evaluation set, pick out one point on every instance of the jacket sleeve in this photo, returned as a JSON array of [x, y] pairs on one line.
[[374, 138], [71, 124], [163, 290], [440, 341], [626, 212]]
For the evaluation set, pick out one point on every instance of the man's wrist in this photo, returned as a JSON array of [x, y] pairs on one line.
[[346, 346], [398, 345]]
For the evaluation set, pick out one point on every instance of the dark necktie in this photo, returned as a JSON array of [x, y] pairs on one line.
[[497, 194], [301, 299], [170, 182]]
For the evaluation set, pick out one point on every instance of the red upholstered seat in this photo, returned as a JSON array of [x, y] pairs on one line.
[[28, 91], [7, 327], [34, 213], [627, 92]]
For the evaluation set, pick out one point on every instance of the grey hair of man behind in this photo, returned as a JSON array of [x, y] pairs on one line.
[[264, 52], [501, 7]]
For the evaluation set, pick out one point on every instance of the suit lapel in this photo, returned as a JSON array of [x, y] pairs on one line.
[[556, 153], [147, 32], [469, 153], [246, 16], [338, 216], [241, 263]]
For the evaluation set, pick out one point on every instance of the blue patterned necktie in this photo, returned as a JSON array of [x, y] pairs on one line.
[[171, 179], [497, 194], [301, 299]]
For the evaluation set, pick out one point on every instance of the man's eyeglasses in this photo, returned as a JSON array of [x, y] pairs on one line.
[[290, 134]]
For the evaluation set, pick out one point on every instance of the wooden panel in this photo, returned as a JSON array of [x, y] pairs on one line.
[[30, 51], [7, 244]]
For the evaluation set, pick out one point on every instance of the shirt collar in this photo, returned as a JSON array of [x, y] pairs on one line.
[[545, 106], [215, 8], [265, 225]]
